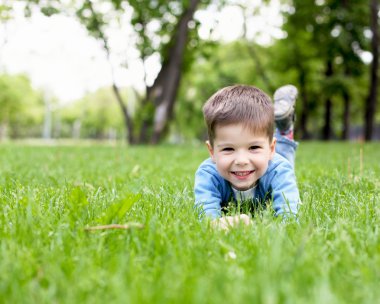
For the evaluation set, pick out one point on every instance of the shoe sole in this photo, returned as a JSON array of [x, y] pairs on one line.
[[283, 93]]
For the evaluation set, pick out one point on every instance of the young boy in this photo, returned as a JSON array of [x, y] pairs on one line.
[[247, 165]]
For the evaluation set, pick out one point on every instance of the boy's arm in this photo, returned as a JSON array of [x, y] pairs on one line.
[[286, 198], [207, 190]]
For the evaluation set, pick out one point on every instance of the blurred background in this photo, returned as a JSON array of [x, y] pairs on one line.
[[139, 71]]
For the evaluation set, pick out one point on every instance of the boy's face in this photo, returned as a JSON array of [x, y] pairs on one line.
[[241, 157]]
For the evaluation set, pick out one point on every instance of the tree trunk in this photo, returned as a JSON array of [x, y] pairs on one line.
[[304, 102], [47, 127], [164, 90], [346, 116], [251, 50], [259, 68], [370, 108], [345, 94], [326, 131], [127, 118], [3, 130]]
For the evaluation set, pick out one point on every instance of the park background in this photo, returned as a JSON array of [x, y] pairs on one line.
[[140, 71], [93, 96]]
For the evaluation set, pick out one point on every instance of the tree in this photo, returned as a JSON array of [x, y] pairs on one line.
[[96, 116], [298, 61], [370, 107], [216, 66], [162, 94], [349, 22], [163, 28], [21, 107], [336, 34]]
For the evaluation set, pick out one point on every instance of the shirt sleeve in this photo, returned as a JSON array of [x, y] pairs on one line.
[[286, 198], [207, 190]]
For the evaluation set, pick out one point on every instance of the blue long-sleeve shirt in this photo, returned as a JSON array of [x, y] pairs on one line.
[[278, 183]]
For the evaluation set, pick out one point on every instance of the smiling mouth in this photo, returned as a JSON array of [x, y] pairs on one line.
[[242, 173]]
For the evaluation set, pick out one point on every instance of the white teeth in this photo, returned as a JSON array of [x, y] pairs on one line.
[[242, 173]]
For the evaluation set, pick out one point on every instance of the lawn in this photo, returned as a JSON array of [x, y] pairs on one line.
[[49, 195]]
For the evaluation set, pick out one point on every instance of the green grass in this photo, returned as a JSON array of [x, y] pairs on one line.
[[49, 195]]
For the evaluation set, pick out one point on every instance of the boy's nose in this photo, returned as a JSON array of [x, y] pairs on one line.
[[241, 159]]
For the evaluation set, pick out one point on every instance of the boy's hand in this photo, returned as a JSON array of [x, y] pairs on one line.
[[227, 222]]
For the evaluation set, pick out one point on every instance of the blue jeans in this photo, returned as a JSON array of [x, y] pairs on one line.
[[286, 147]]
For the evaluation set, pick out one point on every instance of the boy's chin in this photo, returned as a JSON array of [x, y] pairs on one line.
[[243, 187]]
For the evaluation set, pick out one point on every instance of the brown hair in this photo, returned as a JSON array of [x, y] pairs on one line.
[[237, 104]]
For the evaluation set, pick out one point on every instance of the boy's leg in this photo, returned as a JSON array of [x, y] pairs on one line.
[[284, 104]]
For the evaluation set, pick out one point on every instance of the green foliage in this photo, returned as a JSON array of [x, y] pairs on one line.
[[49, 195], [49, 11], [219, 65], [5, 11], [298, 59], [93, 21], [97, 114], [319, 33], [21, 106], [156, 22]]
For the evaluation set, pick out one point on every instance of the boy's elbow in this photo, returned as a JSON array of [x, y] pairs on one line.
[[209, 211], [288, 212], [287, 209]]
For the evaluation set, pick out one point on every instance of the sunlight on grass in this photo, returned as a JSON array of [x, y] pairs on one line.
[[49, 195]]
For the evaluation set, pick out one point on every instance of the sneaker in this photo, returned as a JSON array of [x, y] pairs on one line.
[[284, 103]]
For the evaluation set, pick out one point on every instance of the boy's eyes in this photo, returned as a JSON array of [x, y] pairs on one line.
[[227, 149], [254, 147]]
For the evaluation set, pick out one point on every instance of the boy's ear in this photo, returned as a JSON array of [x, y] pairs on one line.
[[210, 149], [272, 147]]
